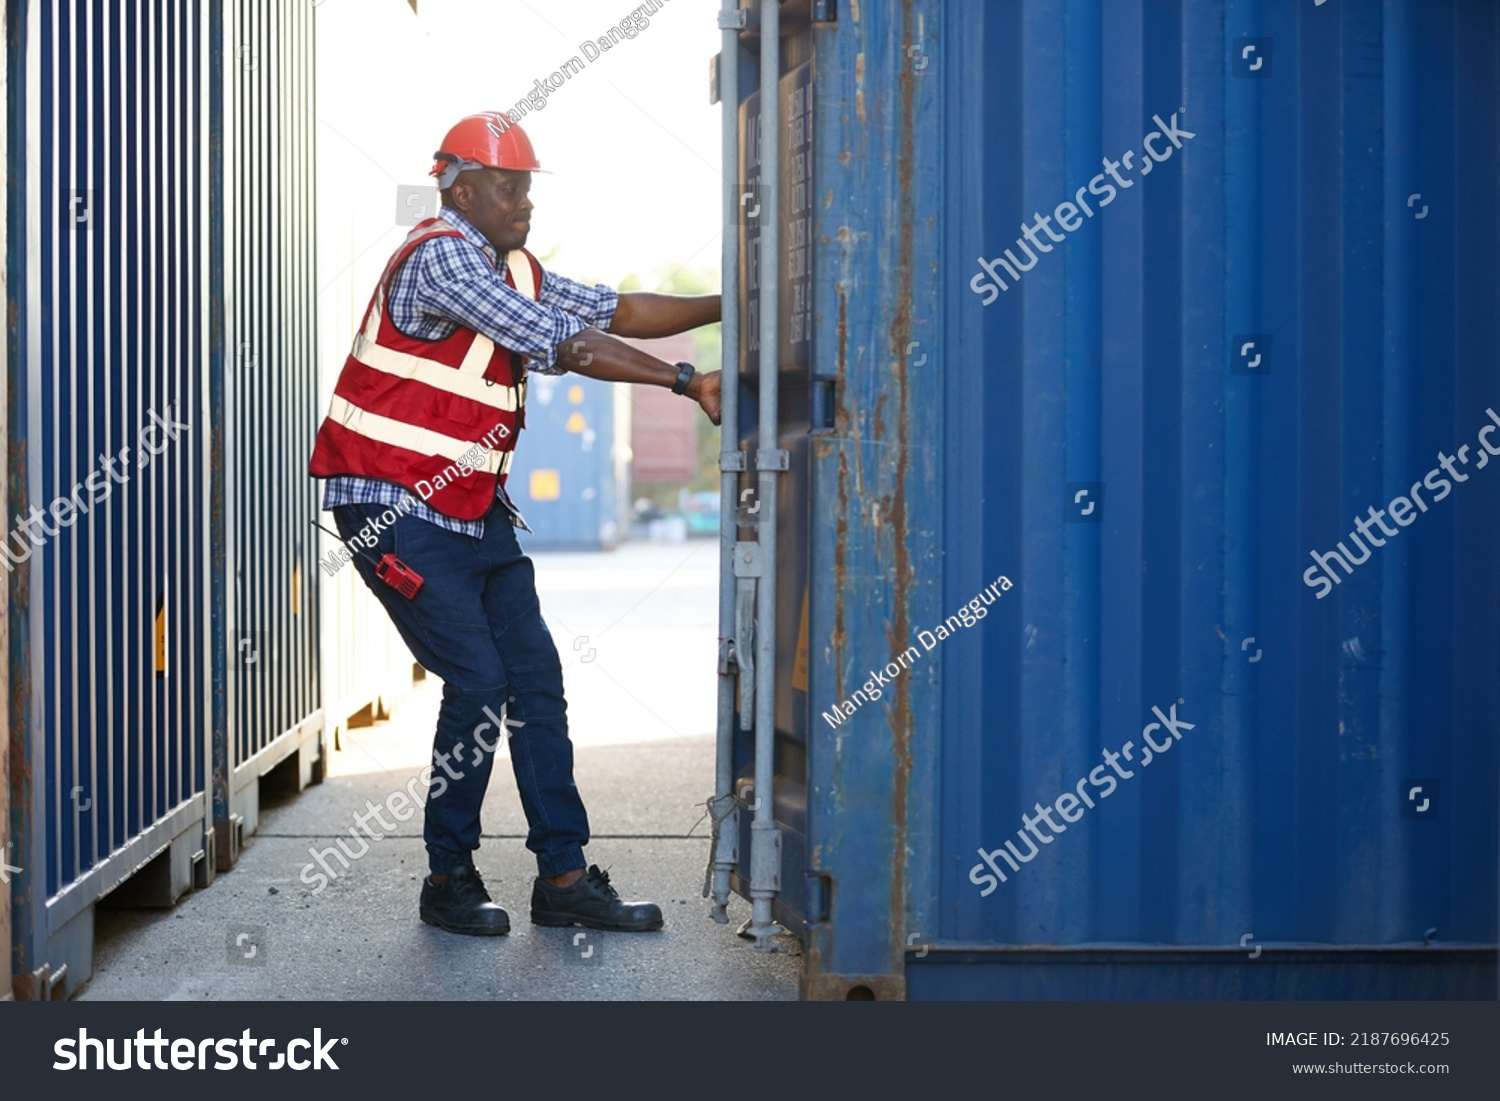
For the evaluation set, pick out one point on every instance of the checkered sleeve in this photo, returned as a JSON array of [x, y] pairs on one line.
[[452, 281], [593, 305]]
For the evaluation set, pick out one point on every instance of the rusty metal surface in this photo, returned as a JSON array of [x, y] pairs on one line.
[[955, 427], [874, 472], [853, 568]]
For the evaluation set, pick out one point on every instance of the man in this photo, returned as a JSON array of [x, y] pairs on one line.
[[416, 445]]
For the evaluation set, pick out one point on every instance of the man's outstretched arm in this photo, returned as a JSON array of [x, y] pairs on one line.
[[599, 355], [651, 315]]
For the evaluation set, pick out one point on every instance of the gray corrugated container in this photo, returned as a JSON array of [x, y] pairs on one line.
[[265, 396]]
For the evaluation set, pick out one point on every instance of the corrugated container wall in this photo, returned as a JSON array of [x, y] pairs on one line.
[[133, 416], [1283, 327], [1135, 305], [266, 396]]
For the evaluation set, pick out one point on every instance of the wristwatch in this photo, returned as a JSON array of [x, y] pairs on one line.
[[685, 373]]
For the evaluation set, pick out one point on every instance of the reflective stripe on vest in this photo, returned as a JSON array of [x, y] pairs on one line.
[[419, 413]]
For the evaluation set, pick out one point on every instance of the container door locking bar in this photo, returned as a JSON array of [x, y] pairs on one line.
[[747, 575], [770, 462], [722, 807]]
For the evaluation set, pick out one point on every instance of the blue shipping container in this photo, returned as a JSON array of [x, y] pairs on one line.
[[567, 478], [1181, 318], [163, 646]]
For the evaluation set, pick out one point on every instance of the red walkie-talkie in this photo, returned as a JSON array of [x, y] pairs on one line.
[[390, 569], [398, 575]]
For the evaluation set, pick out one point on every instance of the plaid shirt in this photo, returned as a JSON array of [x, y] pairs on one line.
[[449, 282]]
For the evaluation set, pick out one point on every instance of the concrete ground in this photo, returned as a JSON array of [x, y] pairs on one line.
[[637, 630]]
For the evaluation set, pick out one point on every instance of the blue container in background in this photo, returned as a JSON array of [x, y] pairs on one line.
[[1280, 314], [569, 477]]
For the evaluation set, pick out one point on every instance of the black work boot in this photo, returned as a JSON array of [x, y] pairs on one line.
[[592, 903], [462, 905]]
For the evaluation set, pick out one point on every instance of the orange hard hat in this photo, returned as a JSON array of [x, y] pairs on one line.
[[489, 140]]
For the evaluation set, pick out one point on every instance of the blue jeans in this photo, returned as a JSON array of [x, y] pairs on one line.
[[477, 624]]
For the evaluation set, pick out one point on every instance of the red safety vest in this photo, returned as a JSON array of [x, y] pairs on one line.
[[439, 417]]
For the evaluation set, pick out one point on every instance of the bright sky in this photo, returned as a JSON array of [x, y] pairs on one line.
[[631, 141]]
